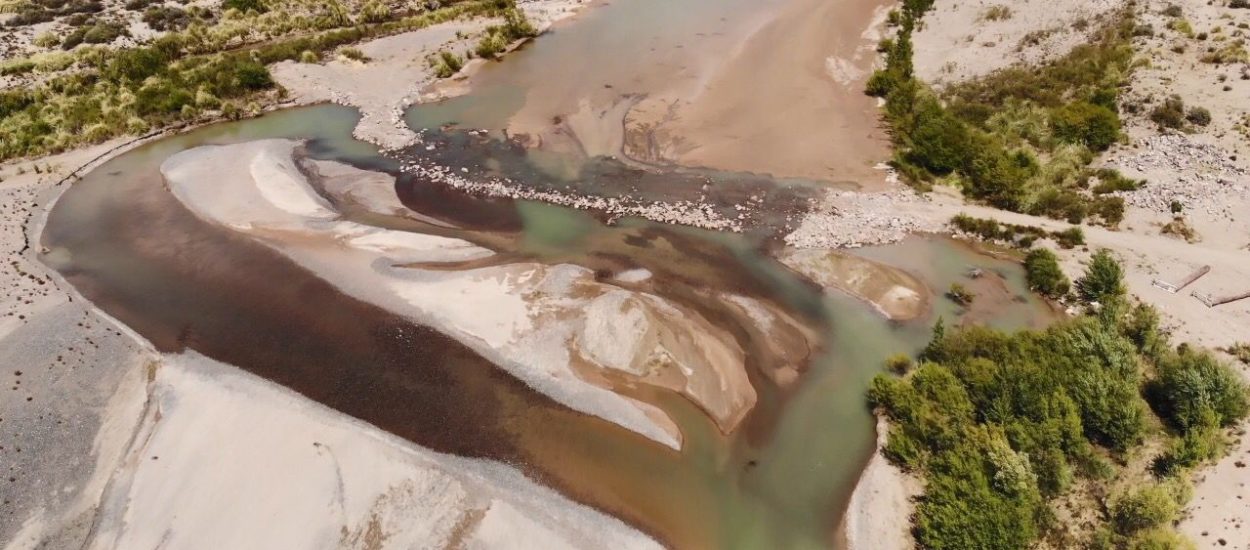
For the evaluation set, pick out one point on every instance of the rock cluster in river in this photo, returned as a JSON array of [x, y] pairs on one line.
[[691, 213], [1179, 168]]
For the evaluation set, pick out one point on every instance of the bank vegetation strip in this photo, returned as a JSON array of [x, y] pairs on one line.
[[205, 71], [1021, 138]]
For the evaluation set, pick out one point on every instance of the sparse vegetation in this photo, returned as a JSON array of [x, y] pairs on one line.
[[354, 54], [1198, 116], [1021, 138], [1170, 114], [1180, 228], [446, 64], [960, 295], [1240, 350], [1231, 52], [996, 12], [1020, 236]]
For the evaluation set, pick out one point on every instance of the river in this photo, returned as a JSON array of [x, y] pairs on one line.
[[780, 480]]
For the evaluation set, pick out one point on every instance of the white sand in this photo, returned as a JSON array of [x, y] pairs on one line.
[[402, 246], [227, 460]]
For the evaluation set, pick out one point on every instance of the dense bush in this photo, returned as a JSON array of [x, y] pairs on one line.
[[1194, 390], [1044, 275], [998, 424], [940, 142], [1154, 505], [1094, 126]]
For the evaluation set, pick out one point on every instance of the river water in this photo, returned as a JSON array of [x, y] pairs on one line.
[[780, 481]]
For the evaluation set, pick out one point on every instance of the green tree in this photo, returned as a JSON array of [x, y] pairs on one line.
[[1044, 275], [1103, 279]]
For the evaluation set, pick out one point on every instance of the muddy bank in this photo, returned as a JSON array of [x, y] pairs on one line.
[[769, 88], [787, 102]]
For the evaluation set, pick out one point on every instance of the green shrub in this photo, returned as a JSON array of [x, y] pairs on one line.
[[1151, 506], [1170, 114], [1094, 126], [489, 46], [1194, 390], [1189, 450], [999, 423], [1198, 116], [1159, 539], [1110, 209], [1069, 238], [446, 64], [940, 142], [257, 6], [1111, 181], [899, 363], [1044, 275]]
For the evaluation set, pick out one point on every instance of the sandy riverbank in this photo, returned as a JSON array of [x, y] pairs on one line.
[[879, 513], [63, 363], [894, 293]]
